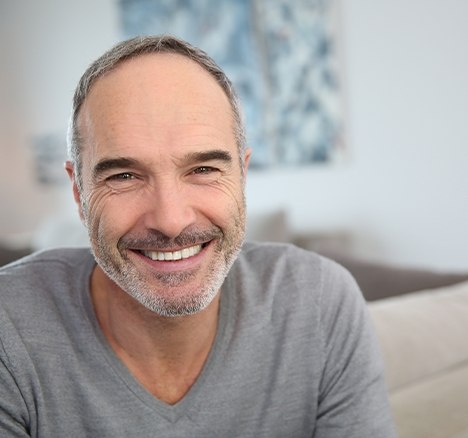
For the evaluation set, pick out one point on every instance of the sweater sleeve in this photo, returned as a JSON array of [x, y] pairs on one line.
[[13, 411], [353, 399]]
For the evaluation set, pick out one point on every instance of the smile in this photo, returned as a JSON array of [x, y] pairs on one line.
[[173, 255]]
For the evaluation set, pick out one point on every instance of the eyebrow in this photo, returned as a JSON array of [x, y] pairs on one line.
[[107, 164], [113, 163], [212, 155]]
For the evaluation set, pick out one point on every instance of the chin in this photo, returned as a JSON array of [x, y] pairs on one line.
[[184, 304]]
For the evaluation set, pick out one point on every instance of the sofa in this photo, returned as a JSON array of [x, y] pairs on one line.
[[421, 322], [424, 342]]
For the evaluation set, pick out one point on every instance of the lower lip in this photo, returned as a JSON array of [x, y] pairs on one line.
[[175, 265]]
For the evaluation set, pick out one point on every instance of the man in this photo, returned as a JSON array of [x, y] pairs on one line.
[[171, 329]]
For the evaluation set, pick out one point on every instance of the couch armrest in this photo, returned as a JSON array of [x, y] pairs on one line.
[[8, 255], [379, 281]]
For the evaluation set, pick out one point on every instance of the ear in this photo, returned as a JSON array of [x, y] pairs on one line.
[[76, 193], [247, 155]]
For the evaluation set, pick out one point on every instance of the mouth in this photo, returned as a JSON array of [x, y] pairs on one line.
[[180, 254]]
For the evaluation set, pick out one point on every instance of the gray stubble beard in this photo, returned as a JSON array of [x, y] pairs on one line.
[[125, 275]]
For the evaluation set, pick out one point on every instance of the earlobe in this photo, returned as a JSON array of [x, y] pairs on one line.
[[76, 192]]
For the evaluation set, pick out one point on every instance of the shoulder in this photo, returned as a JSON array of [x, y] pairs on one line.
[[286, 269], [41, 263], [289, 262], [42, 277], [265, 257], [42, 293]]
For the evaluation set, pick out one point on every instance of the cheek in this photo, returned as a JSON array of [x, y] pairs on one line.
[[225, 202], [111, 215], [106, 216]]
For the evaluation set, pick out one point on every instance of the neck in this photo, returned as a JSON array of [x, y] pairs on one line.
[[156, 349]]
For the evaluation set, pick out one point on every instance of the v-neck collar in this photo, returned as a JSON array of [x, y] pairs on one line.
[[171, 412]]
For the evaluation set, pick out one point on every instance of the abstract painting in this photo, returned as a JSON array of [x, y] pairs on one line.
[[281, 56]]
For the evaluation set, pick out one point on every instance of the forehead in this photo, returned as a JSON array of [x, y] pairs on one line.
[[163, 71], [152, 93]]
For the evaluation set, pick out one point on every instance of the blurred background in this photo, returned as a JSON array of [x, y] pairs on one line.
[[396, 192]]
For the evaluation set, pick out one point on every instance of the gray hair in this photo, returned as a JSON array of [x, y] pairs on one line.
[[133, 48]]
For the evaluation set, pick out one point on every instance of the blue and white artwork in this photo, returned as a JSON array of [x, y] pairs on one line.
[[281, 56]]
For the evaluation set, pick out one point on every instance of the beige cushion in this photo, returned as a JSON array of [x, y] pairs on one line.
[[435, 408], [422, 334]]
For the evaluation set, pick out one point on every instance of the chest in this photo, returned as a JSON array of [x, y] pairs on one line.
[[258, 392]]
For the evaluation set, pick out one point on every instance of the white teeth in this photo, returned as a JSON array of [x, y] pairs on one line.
[[173, 255]]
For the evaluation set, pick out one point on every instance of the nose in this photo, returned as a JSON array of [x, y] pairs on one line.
[[169, 209]]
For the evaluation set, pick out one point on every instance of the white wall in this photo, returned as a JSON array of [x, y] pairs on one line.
[[44, 47], [402, 192]]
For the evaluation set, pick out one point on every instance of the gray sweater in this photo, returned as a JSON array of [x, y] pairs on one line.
[[294, 356]]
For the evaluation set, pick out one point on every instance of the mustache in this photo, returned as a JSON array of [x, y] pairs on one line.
[[153, 239]]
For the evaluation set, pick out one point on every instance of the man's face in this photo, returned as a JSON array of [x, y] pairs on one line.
[[162, 194]]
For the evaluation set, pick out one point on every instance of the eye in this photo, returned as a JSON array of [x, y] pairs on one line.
[[204, 175], [122, 181], [125, 176], [204, 170]]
